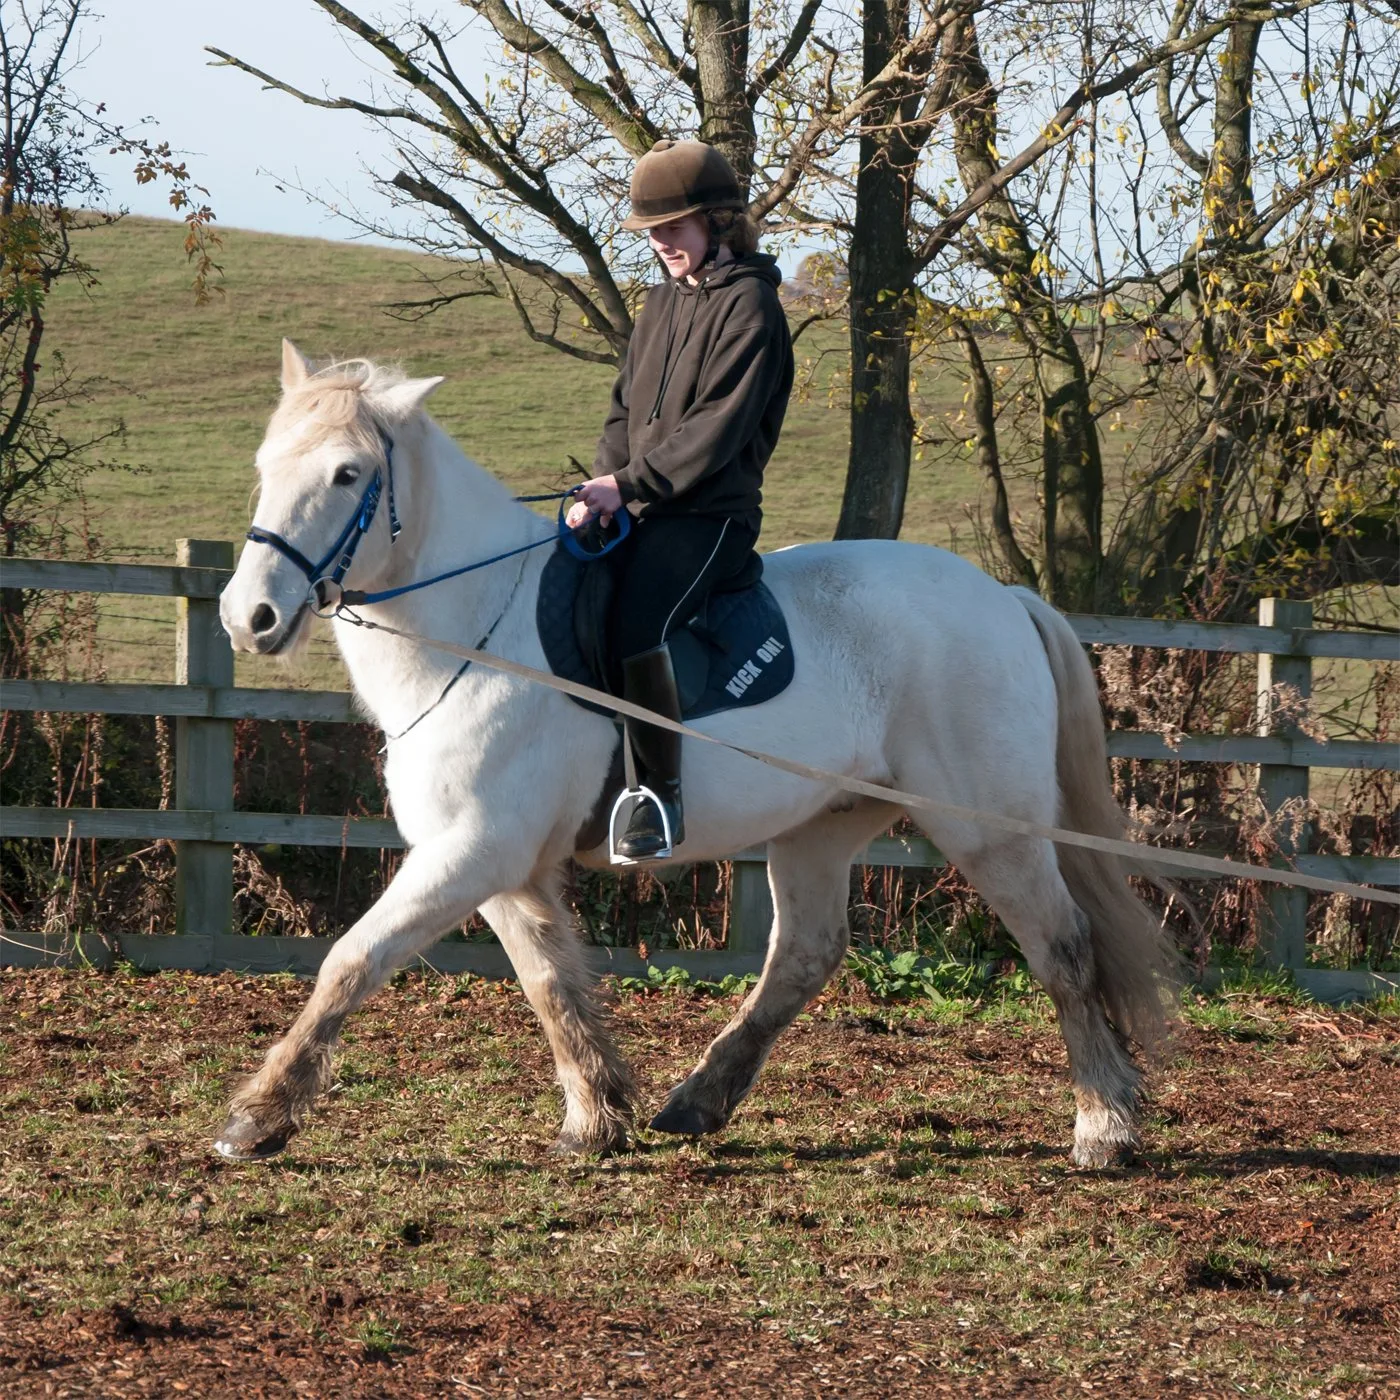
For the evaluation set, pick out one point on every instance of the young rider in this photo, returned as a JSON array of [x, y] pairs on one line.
[[695, 415]]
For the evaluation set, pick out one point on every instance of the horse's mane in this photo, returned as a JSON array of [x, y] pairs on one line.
[[335, 402]]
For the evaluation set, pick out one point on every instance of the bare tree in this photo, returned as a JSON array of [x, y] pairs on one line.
[[522, 178], [48, 190]]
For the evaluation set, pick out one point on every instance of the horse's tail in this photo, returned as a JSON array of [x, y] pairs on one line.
[[1137, 965]]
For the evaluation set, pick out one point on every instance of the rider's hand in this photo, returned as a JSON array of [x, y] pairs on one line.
[[599, 497]]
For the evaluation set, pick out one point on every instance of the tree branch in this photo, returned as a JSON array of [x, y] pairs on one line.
[[425, 306], [48, 78], [842, 118], [1059, 126], [550, 337], [27, 378], [331, 104], [983, 406], [633, 131], [827, 313], [418, 187], [587, 22], [519, 179], [771, 72], [1166, 113], [1365, 549], [640, 20]]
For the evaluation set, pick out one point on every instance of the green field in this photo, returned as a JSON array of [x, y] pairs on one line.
[[195, 385]]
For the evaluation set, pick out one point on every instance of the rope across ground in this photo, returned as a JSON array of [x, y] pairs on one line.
[[892, 1213]]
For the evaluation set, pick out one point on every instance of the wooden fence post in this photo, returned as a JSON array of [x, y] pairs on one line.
[[1284, 930], [203, 752], [750, 908]]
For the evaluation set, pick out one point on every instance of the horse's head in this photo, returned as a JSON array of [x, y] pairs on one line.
[[330, 485]]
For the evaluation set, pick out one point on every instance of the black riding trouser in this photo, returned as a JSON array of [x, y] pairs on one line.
[[664, 570]]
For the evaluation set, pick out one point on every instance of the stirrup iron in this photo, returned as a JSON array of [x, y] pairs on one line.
[[628, 800]]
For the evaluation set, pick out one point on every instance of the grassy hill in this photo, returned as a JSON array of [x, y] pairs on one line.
[[195, 385]]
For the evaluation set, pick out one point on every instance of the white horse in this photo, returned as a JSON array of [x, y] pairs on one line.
[[914, 670]]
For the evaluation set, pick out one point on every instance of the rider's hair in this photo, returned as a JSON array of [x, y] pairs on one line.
[[734, 229]]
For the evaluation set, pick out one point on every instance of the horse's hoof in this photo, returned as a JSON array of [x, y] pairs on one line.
[[242, 1140], [572, 1145], [1103, 1156], [687, 1119]]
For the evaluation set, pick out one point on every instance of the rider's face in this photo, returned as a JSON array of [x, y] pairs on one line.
[[681, 244]]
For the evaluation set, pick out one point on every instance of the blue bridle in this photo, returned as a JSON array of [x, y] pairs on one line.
[[342, 552]]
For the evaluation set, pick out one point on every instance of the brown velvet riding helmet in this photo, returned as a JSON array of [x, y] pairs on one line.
[[676, 178]]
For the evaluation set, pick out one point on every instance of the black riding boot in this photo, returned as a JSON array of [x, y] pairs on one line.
[[649, 680]]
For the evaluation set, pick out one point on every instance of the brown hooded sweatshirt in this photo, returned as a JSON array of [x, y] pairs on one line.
[[700, 400]]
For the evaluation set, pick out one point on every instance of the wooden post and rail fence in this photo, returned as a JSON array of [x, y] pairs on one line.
[[204, 826]]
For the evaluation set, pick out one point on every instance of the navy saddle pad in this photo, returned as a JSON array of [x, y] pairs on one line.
[[735, 651]]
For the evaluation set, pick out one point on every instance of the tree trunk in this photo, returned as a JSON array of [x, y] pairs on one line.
[[1072, 472], [720, 30], [882, 301], [1162, 550], [982, 406], [1230, 183]]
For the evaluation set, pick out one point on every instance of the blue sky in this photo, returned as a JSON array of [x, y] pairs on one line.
[[252, 148], [145, 58]]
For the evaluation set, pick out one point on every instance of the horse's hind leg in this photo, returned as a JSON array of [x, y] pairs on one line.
[[437, 887], [1020, 878], [547, 955], [809, 873]]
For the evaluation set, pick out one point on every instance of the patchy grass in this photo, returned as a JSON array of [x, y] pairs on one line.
[[892, 1212]]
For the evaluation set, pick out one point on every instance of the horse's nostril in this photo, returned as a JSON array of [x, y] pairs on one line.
[[264, 619]]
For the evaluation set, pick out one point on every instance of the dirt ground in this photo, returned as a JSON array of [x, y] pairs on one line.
[[892, 1213]]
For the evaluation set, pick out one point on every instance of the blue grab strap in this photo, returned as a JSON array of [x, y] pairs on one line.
[[575, 546]]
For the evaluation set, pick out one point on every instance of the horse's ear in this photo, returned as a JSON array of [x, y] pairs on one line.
[[403, 400], [296, 368]]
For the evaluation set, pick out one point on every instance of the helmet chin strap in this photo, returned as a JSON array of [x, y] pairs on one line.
[[712, 250]]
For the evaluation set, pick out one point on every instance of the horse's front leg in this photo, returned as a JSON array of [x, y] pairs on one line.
[[547, 954], [438, 886], [809, 872]]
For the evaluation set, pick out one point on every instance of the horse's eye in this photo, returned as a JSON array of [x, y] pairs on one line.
[[347, 476]]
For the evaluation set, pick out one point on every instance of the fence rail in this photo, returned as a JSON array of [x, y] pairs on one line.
[[338, 707], [180, 581], [205, 705], [379, 833]]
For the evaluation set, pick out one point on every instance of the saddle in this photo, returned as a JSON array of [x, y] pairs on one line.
[[735, 650]]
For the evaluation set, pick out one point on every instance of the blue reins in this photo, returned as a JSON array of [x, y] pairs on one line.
[[357, 527]]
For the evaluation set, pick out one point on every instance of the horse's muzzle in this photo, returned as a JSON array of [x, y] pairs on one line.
[[266, 632]]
